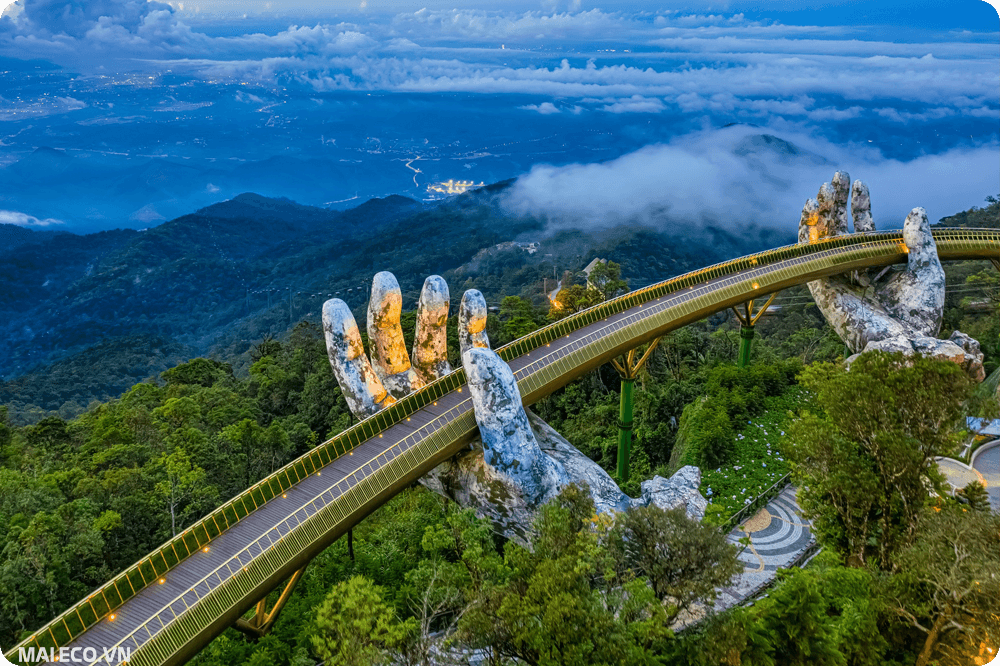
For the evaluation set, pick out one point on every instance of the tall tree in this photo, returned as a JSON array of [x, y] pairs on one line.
[[181, 484], [355, 627], [866, 463], [684, 560], [947, 583], [606, 278]]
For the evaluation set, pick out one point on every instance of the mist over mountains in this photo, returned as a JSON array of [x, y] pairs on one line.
[[85, 317]]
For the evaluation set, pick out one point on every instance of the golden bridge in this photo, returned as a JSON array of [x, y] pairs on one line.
[[166, 607]]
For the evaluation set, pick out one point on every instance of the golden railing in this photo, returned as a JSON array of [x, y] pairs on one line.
[[715, 287]]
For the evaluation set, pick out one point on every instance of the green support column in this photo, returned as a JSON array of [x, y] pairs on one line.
[[747, 319], [628, 369], [625, 429], [746, 342]]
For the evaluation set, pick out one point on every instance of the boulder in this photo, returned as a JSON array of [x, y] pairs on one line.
[[681, 489]]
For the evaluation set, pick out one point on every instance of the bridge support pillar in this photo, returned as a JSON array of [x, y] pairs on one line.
[[746, 343], [748, 319], [262, 621], [628, 369], [625, 429]]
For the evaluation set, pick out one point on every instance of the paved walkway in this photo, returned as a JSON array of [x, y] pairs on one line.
[[778, 537], [985, 469], [987, 465]]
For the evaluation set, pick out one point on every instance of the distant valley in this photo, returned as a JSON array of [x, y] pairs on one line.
[[85, 317]]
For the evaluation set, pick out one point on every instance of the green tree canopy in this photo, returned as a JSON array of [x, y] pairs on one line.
[[864, 465]]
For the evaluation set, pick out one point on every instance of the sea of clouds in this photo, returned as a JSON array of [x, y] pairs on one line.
[[709, 177], [790, 80]]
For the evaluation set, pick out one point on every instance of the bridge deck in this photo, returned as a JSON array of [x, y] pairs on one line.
[[166, 623], [155, 606]]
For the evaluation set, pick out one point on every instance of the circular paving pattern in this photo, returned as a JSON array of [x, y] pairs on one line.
[[759, 522], [776, 536], [958, 475]]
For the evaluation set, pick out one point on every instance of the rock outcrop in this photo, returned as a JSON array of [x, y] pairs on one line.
[[682, 489], [519, 462], [889, 310]]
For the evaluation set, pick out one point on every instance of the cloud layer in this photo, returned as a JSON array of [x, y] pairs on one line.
[[25, 220], [641, 67], [743, 175], [645, 62]]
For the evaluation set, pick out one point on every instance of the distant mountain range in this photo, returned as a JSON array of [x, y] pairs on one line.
[[85, 317], [90, 190]]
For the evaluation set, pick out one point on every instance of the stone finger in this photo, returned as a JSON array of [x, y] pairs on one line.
[[389, 357], [509, 444], [916, 295], [430, 342], [861, 208], [841, 185], [472, 321], [809, 229], [361, 387]]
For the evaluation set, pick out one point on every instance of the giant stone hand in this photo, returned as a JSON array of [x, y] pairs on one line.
[[888, 309], [518, 462], [507, 474]]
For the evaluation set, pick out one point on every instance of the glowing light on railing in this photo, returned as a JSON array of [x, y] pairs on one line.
[[205, 549], [112, 617], [162, 581]]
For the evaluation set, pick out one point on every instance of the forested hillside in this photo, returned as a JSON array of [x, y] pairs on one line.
[[86, 496], [217, 281]]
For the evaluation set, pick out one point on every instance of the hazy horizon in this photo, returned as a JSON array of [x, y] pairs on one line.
[[604, 111]]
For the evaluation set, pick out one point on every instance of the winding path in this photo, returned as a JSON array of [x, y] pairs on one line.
[[985, 469], [987, 463]]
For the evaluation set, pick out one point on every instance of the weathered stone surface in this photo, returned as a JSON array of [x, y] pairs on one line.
[[430, 341], [973, 362], [579, 468], [509, 444], [916, 296], [472, 483], [960, 349], [841, 192], [681, 489], [889, 310], [861, 208], [472, 321], [389, 357], [358, 382], [531, 462]]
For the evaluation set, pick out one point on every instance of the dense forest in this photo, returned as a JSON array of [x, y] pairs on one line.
[[213, 282], [83, 495]]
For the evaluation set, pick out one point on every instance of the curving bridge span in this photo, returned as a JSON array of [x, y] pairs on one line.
[[166, 607]]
